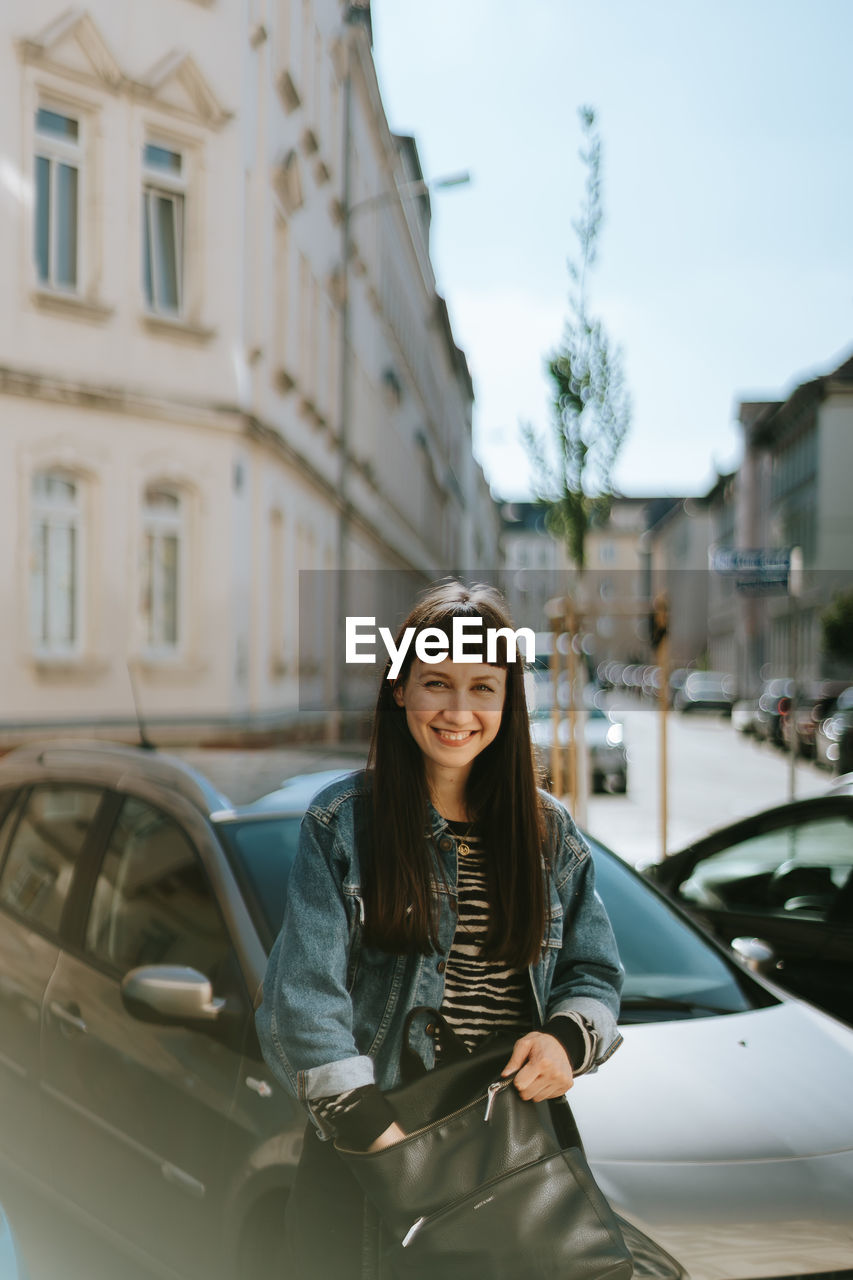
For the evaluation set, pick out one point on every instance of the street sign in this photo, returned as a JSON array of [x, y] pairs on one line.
[[757, 571]]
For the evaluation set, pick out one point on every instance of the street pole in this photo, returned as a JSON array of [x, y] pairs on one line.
[[571, 670], [794, 585], [556, 753], [660, 641], [663, 662]]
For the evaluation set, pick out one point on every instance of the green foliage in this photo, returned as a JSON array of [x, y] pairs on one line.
[[837, 625], [591, 408]]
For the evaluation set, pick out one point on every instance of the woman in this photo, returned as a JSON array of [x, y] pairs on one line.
[[440, 877]]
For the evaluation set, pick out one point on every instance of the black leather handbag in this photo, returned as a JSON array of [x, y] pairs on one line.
[[482, 1187]]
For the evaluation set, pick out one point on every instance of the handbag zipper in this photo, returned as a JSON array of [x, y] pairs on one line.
[[488, 1097], [454, 1204]]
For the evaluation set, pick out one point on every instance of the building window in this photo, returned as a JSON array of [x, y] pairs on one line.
[[277, 594], [56, 563], [163, 574], [57, 199], [163, 221]]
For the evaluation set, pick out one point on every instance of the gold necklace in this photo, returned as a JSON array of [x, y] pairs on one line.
[[463, 848]]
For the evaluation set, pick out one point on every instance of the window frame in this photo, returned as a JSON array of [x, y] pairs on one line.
[[679, 867], [83, 915], [48, 515], [101, 820], [157, 183], [157, 525], [58, 151]]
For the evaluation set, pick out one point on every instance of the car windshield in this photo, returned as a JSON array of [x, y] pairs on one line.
[[261, 852], [670, 970]]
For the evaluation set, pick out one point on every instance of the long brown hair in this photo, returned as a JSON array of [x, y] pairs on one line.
[[501, 796]]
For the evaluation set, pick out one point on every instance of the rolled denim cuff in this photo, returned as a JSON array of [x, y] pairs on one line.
[[334, 1077], [602, 1020]]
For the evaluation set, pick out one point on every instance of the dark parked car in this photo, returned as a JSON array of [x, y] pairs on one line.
[[705, 691], [136, 910], [676, 682], [785, 878], [772, 702], [834, 735], [605, 742], [813, 704], [743, 715], [132, 1084]]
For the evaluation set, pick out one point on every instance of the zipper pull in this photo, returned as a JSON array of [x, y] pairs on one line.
[[412, 1232], [493, 1091]]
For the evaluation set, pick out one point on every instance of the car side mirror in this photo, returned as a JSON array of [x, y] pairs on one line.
[[755, 953], [170, 993]]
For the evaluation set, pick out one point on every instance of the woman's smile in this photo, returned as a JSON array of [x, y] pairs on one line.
[[452, 736]]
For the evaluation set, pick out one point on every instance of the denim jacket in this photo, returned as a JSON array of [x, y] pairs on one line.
[[333, 1008]]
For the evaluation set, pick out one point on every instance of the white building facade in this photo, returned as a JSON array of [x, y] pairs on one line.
[[223, 361]]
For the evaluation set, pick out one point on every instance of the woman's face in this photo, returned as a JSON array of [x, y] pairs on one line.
[[453, 710]]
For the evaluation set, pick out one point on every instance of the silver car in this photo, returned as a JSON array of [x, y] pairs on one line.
[[723, 1126]]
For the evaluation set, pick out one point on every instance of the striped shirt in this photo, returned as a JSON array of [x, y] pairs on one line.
[[480, 996]]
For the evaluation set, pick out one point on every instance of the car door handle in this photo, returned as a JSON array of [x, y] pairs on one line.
[[71, 1017]]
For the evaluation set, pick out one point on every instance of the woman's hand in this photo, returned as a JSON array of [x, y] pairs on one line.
[[543, 1067], [387, 1139]]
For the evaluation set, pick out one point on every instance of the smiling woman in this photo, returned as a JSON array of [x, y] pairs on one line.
[[436, 901], [453, 712]]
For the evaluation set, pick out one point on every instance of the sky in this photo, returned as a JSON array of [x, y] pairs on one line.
[[725, 267]]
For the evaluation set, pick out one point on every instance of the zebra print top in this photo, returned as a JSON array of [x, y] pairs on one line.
[[480, 996]]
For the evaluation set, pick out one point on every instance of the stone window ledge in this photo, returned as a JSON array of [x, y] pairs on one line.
[[68, 666], [173, 327], [168, 668], [71, 304]]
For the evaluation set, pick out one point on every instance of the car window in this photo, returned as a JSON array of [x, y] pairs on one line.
[[7, 800], [46, 832], [798, 869], [261, 853], [10, 808], [152, 902], [671, 971]]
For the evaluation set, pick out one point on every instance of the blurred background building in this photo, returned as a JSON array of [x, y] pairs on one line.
[[792, 490], [223, 361]]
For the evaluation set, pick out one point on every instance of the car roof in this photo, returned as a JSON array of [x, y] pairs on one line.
[[110, 763], [294, 795]]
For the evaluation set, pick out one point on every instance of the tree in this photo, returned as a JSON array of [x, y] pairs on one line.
[[591, 408], [837, 626]]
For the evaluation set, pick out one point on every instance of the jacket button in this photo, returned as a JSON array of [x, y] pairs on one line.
[[430, 1028], [445, 844], [441, 966]]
